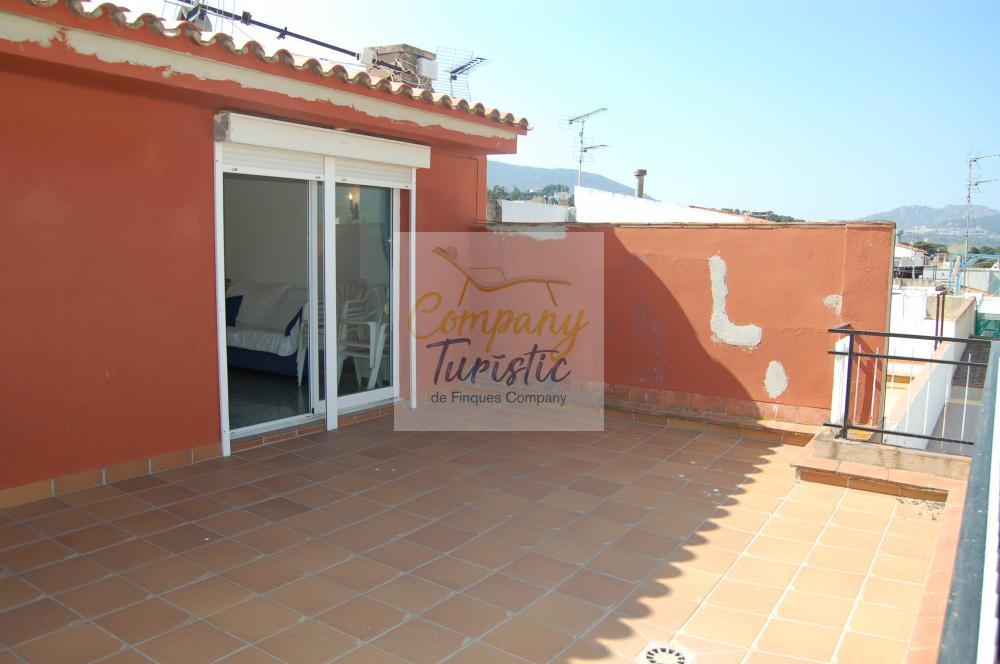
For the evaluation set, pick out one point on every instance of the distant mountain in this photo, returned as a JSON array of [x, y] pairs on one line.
[[532, 177], [945, 225], [921, 216]]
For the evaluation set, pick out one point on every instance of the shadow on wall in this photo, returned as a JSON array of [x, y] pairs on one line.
[[735, 319], [650, 340]]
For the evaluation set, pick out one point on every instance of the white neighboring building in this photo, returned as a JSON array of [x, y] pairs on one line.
[[594, 206], [911, 253], [988, 304], [919, 393], [530, 212], [908, 257]]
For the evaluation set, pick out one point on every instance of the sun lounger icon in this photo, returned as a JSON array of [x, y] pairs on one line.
[[491, 286]]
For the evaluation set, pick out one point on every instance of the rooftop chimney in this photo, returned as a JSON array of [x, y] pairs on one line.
[[640, 181]]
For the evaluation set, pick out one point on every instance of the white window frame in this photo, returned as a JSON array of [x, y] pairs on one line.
[[285, 149]]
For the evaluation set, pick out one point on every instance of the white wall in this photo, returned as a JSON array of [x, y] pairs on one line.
[[602, 207], [989, 305], [529, 212], [909, 316], [360, 255], [927, 401], [266, 227], [930, 384], [360, 251], [909, 256]]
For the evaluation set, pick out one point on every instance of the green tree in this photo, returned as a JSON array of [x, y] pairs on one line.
[[931, 248]]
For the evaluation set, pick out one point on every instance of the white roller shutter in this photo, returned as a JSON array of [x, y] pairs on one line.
[[256, 160], [249, 146], [357, 171]]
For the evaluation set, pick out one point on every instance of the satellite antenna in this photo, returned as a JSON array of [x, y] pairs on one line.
[[454, 67], [584, 150]]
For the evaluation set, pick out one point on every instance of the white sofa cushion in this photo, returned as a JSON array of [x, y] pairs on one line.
[[260, 304], [291, 302], [262, 339]]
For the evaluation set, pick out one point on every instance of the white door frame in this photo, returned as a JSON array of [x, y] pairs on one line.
[[359, 400], [315, 413], [330, 372], [313, 330], [220, 302], [281, 149]]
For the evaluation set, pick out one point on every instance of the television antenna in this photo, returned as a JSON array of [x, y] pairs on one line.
[[232, 19], [972, 185], [583, 149], [454, 67]]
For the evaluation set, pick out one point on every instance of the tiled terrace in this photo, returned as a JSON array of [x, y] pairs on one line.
[[367, 545]]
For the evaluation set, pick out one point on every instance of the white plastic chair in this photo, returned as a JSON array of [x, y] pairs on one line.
[[347, 291], [363, 333]]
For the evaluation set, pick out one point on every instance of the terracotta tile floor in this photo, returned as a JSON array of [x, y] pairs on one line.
[[367, 545]]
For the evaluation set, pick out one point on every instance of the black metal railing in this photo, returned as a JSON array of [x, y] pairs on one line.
[[970, 628], [864, 375]]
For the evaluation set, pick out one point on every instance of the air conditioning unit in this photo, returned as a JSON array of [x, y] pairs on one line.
[[427, 68]]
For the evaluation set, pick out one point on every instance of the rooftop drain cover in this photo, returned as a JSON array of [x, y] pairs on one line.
[[657, 652]]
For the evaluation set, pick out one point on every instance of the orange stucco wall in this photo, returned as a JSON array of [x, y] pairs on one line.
[[659, 303], [107, 235], [451, 195], [107, 272], [106, 268]]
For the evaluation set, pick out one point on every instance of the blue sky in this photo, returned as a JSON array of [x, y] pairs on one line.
[[823, 110]]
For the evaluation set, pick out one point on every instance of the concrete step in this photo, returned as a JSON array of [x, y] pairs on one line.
[[881, 468]]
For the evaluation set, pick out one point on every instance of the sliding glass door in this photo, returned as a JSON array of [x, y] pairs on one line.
[[308, 270], [270, 293], [365, 274]]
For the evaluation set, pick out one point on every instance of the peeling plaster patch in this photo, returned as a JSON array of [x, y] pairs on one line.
[[723, 329], [122, 51], [834, 303], [775, 379], [19, 29]]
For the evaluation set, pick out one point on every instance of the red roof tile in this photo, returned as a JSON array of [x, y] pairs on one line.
[[174, 29]]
